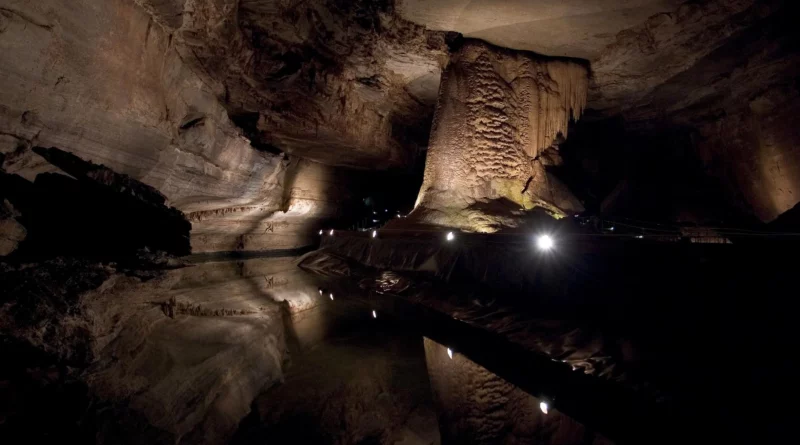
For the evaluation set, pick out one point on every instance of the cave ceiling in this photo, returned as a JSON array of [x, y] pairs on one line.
[[354, 83]]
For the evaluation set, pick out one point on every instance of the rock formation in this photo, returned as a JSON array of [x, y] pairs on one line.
[[181, 101], [11, 231], [135, 132], [669, 66], [498, 112]]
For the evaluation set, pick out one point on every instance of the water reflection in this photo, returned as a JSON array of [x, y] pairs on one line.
[[345, 378], [476, 406], [332, 371]]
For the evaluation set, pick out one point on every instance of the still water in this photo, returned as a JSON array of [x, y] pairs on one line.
[[359, 370]]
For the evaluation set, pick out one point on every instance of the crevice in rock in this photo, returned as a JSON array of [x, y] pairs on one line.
[[248, 123], [192, 120], [527, 184]]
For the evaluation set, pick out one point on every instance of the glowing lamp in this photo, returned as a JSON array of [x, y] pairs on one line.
[[374, 233], [331, 232], [331, 295], [450, 236], [544, 242], [374, 314], [450, 353], [544, 407]]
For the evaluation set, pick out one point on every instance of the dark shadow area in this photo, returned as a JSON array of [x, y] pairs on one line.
[[650, 173], [367, 383], [93, 213], [675, 326]]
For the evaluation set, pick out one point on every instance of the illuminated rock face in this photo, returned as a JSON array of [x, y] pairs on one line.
[[498, 114], [138, 104]]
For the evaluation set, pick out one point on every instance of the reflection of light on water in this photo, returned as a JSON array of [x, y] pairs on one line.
[[543, 406], [374, 314], [450, 353]]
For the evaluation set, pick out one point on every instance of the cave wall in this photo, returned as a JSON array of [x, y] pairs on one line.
[[316, 78], [756, 155], [309, 196], [109, 83], [727, 71]]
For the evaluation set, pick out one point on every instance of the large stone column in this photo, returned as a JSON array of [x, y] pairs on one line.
[[498, 114]]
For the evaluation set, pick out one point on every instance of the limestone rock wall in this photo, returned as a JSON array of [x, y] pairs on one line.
[[755, 154], [498, 111], [343, 83], [728, 70], [308, 196], [113, 85]]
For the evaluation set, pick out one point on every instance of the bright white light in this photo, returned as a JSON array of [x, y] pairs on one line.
[[450, 236], [374, 233], [543, 406], [320, 291], [544, 242], [612, 229], [331, 295], [374, 314], [320, 232], [331, 232], [639, 237], [450, 353], [374, 220]]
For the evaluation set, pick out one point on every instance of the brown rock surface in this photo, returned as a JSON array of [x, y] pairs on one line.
[[573, 28], [11, 231], [697, 65], [498, 111], [118, 91]]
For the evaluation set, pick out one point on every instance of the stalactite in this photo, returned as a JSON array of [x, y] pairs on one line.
[[560, 91]]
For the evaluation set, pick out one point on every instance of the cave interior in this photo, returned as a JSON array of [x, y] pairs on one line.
[[398, 221]]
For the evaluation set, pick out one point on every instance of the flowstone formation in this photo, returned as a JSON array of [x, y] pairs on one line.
[[498, 115]]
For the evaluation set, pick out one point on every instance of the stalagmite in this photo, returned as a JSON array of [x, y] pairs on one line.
[[498, 111]]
